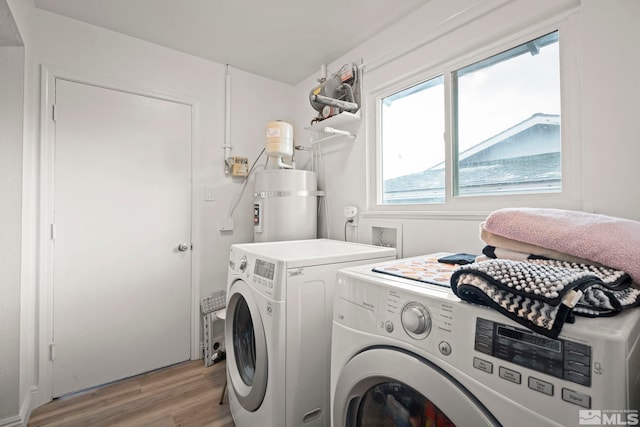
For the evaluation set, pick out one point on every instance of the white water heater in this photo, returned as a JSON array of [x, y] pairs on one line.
[[285, 205]]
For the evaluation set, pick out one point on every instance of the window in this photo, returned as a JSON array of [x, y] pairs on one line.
[[505, 129], [413, 134], [507, 121]]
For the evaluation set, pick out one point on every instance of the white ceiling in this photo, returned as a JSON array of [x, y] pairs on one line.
[[284, 40], [9, 35]]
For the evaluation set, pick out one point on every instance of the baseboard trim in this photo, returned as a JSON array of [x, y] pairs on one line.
[[28, 405], [14, 421], [22, 419]]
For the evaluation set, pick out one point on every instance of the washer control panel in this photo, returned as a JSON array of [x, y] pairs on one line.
[[262, 273], [560, 358], [426, 322]]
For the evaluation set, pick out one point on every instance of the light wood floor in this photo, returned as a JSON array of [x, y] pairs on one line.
[[186, 394]]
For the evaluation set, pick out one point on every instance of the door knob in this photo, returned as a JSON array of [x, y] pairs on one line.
[[183, 247]]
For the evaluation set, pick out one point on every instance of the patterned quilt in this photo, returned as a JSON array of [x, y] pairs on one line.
[[543, 294]]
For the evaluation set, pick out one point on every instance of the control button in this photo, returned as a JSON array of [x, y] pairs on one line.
[[485, 339], [570, 356], [576, 398], [578, 378], [445, 348], [484, 324], [509, 375], [576, 367], [483, 347], [388, 326], [483, 365], [243, 264], [540, 386], [416, 320], [574, 347]]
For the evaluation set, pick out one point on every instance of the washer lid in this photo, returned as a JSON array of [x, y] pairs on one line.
[[306, 253]]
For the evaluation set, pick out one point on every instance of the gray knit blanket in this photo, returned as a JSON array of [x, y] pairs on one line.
[[543, 294]]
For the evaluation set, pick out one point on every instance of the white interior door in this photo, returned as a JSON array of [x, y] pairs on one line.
[[122, 207]]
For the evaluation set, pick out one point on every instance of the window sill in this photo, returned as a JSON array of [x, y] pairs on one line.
[[431, 215]]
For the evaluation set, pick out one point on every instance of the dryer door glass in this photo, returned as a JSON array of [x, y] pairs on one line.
[[382, 387], [244, 342], [392, 404]]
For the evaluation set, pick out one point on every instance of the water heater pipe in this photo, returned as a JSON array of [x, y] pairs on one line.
[[323, 74], [335, 131], [283, 165], [227, 120], [338, 103]]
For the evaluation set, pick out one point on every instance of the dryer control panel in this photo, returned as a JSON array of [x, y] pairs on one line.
[[263, 272], [264, 269], [560, 358]]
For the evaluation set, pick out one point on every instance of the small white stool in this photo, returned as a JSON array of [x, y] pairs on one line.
[[222, 315]]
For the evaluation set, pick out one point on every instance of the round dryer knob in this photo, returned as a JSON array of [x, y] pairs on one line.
[[416, 320], [243, 264]]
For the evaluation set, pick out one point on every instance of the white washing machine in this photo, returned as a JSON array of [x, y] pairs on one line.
[[412, 354], [278, 328]]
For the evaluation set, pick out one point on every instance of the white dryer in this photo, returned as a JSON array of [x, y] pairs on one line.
[[278, 328], [407, 353]]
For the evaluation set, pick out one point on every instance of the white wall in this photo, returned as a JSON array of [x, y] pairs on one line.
[[255, 102], [609, 143], [83, 50], [11, 96], [610, 107]]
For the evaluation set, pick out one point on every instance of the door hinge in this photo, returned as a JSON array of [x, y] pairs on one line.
[[54, 114], [52, 351], [52, 232]]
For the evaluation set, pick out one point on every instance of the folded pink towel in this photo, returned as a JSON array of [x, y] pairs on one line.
[[610, 241]]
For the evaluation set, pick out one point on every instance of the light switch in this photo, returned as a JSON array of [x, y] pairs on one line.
[[209, 194]]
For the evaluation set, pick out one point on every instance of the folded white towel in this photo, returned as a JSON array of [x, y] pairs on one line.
[[525, 249]]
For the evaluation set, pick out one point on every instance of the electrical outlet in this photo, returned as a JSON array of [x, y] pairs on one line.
[[351, 212]]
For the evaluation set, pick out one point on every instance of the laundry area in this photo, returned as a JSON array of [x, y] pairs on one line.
[[378, 214]]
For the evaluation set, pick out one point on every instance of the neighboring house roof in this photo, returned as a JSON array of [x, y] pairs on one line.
[[538, 134], [525, 155]]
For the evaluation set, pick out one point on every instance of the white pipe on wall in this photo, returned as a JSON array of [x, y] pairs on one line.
[[227, 122]]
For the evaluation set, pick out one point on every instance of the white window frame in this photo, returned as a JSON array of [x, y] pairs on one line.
[[570, 196]]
